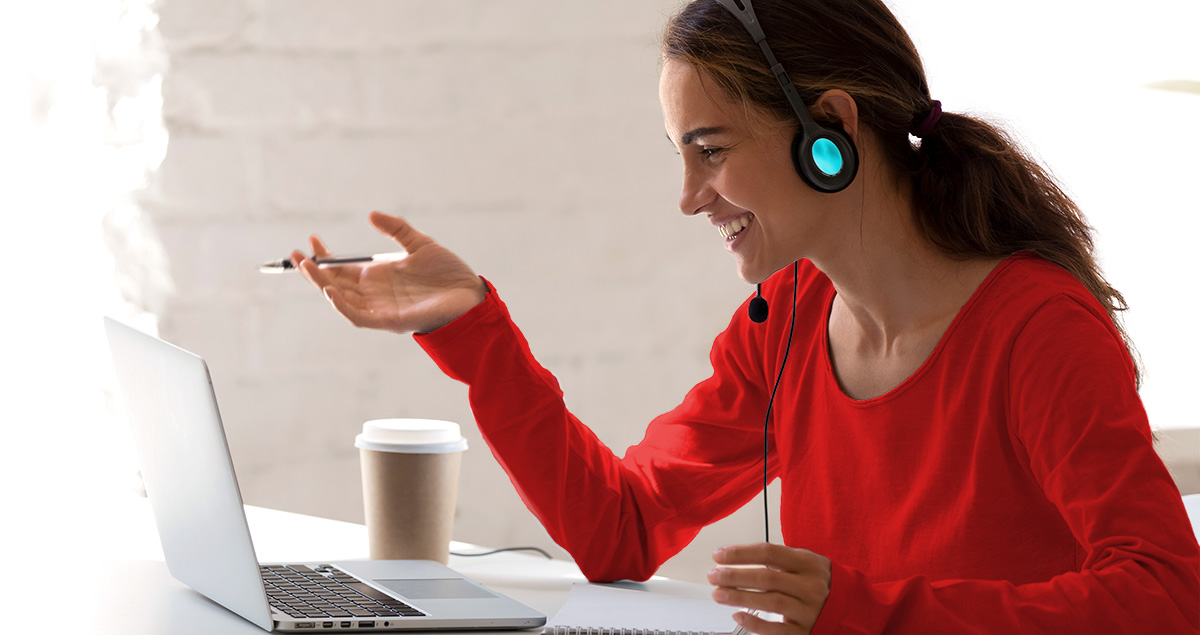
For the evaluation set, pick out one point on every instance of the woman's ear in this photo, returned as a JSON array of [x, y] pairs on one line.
[[838, 106]]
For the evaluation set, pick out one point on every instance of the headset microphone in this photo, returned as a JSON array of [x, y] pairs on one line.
[[758, 307]]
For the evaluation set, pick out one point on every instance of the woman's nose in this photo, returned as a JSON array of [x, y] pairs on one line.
[[696, 193]]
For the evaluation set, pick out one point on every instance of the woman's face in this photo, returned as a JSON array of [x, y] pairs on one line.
[[738, 173]]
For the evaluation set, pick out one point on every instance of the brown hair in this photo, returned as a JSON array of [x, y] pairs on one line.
[[976, 193]]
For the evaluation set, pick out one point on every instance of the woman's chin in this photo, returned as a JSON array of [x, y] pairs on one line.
[[755, 273]]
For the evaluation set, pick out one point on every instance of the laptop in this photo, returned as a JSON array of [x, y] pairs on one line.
[[197, 507]]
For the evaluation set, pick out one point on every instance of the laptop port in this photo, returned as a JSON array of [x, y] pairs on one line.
[[366, 624], [306, 625], [326, 624], [347, 624]]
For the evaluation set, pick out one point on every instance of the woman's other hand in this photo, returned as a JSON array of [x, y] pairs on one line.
[[791, 582], [421, 292]]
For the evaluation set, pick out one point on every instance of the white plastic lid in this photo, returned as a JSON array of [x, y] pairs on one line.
[[411, 436]]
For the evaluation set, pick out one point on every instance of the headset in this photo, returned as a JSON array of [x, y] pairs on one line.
[[824, 157]]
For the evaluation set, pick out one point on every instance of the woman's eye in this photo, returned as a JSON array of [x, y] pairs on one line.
[[710, 153]]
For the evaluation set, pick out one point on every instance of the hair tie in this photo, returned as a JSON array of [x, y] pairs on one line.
[[926, 126]]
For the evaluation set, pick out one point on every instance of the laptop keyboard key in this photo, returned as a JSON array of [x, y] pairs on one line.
[[324, 591]]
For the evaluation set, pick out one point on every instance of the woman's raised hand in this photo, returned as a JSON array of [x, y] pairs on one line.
[[421, 292]]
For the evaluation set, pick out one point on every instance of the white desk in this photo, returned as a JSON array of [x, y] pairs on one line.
[[113, 579]]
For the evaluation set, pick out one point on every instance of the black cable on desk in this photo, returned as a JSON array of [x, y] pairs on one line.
[[494, 551]]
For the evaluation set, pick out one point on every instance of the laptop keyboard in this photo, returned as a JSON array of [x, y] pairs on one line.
[[326, 591]]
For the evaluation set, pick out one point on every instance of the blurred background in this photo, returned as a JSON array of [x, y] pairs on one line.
[[153, 154]]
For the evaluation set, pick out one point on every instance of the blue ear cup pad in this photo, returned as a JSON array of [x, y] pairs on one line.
[[826, 160]]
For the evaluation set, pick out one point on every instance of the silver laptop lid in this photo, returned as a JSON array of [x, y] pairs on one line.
[[187, 471]]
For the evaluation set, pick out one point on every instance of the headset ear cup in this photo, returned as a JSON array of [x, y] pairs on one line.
[[825, 158], [798, 160]]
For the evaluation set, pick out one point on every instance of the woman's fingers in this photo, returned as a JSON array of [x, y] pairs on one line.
[[310, 270], [769, 567], [755, 624], [791, 582], [799, 614], [770, 555], [324, 277], [761, 588], [400, 231], [318, 248]]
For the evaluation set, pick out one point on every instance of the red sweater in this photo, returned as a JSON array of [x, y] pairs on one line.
[[1009, 485]]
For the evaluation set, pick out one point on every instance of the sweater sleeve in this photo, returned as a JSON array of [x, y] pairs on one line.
[[619, 517], [1080, 429]]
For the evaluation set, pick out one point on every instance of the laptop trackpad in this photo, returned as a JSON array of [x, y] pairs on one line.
[[442, 589]]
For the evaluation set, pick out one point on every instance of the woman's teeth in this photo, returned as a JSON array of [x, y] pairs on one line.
[[734, 227]]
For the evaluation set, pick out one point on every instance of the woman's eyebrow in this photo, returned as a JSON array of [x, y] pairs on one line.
[[690, 136]]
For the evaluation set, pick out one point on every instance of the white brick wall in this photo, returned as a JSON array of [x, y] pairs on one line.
[[525, 135]]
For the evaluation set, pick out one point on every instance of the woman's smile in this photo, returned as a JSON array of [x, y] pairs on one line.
[[731, 228], [734, 230]]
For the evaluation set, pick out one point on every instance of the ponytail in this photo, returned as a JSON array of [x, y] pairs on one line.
[[978, 195]]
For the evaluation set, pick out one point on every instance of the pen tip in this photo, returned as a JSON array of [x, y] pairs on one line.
[[276, 266]]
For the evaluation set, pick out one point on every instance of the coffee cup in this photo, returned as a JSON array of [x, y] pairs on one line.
[[410, 471]]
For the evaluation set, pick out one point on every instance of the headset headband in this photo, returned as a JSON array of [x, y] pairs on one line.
[[823, 156], [744, 11]]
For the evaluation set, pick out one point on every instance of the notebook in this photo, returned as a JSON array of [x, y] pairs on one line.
[[197, 507], [593, 609]]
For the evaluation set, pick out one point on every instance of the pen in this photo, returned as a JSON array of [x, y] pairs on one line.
[[285, 264]]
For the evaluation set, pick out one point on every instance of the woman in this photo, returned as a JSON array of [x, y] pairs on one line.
[[958, 432]]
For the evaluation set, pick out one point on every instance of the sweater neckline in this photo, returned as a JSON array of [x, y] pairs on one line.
[[921, 370]]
